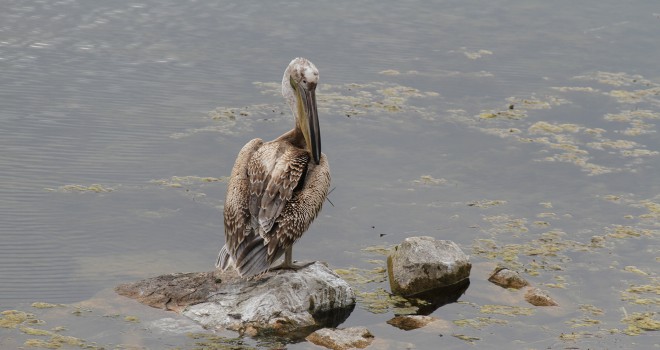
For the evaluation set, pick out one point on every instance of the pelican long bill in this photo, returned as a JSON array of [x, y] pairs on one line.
[[309, 118]]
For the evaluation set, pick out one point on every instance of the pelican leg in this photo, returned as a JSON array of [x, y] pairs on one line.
[[288, 263]]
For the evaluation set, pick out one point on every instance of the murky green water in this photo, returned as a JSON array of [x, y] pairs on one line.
[[527, 132]]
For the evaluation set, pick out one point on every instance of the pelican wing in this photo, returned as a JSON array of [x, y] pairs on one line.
[[274, 172], [301, 209], [236, 211]]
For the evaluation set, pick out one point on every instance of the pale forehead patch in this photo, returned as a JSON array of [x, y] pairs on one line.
[[303, 69], [311, 73]]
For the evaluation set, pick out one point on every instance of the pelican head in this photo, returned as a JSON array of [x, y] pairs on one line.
[[299, 89]]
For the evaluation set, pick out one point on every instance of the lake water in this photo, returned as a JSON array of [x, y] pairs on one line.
[[526, 132]]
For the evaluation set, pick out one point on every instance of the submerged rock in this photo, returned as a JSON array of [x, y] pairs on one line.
[[506, 278], [410, 322], [283, 302], [341, 339], [538, 297], [420, 264]]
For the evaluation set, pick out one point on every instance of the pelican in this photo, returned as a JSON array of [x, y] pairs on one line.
[[277, 188]]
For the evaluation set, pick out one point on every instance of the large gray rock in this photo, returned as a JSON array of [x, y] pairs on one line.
[[420, 264], [283, 302]]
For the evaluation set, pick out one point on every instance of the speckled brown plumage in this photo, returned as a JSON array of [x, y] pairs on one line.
[[275, 192]]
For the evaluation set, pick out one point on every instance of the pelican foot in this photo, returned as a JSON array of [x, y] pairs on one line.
[[291, 265]]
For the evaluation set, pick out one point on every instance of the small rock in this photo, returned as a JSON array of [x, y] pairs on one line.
[[506, 278], [538, 297], [420, 264], [410, 322], [341, 339], [284, 302]]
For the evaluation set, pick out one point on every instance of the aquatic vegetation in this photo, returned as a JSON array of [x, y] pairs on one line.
[[429, 180], [42, 305], [620, 231], [552, 128], [585, 146], [634, 269], [133, 319], [647, 294], [486, 203], [590, 309], [206, 341], [473, 55], [372, 297], [20, 320], [94, 188], [573, 336], [13, 318], [639, 322], [479, 322], [180, 181], [583, 322], [614, 79], [466, 338], [507, 310], [34, 331]]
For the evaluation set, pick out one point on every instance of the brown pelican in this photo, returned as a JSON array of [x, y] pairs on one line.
[[277, 188]]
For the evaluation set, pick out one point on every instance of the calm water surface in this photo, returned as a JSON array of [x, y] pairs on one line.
[[504, 126]]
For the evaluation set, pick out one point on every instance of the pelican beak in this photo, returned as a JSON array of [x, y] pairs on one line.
[[308, 118]]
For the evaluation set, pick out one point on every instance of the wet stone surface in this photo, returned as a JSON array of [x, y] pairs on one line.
[[507, 278], [420, 264], [538, 297], [341, 339], [286, 303], [410, 322]]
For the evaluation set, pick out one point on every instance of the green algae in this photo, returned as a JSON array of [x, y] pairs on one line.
[[573, 336], [466, 338], [486, 203], [640, 322], [180, 181], [583, 322], [591, 309], [614, 78], [580, 144], [429, 180], [93, 188], [361, 100], [19, 319], [206, 341], [647, 294], [543, 127], [473, 55], [479, 322], [34, 331], [620, 231], [39, 343], [13, 318], [379, 249], [372, 298], [42, 305], [635, 270], [132, 319], [507, 310]]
